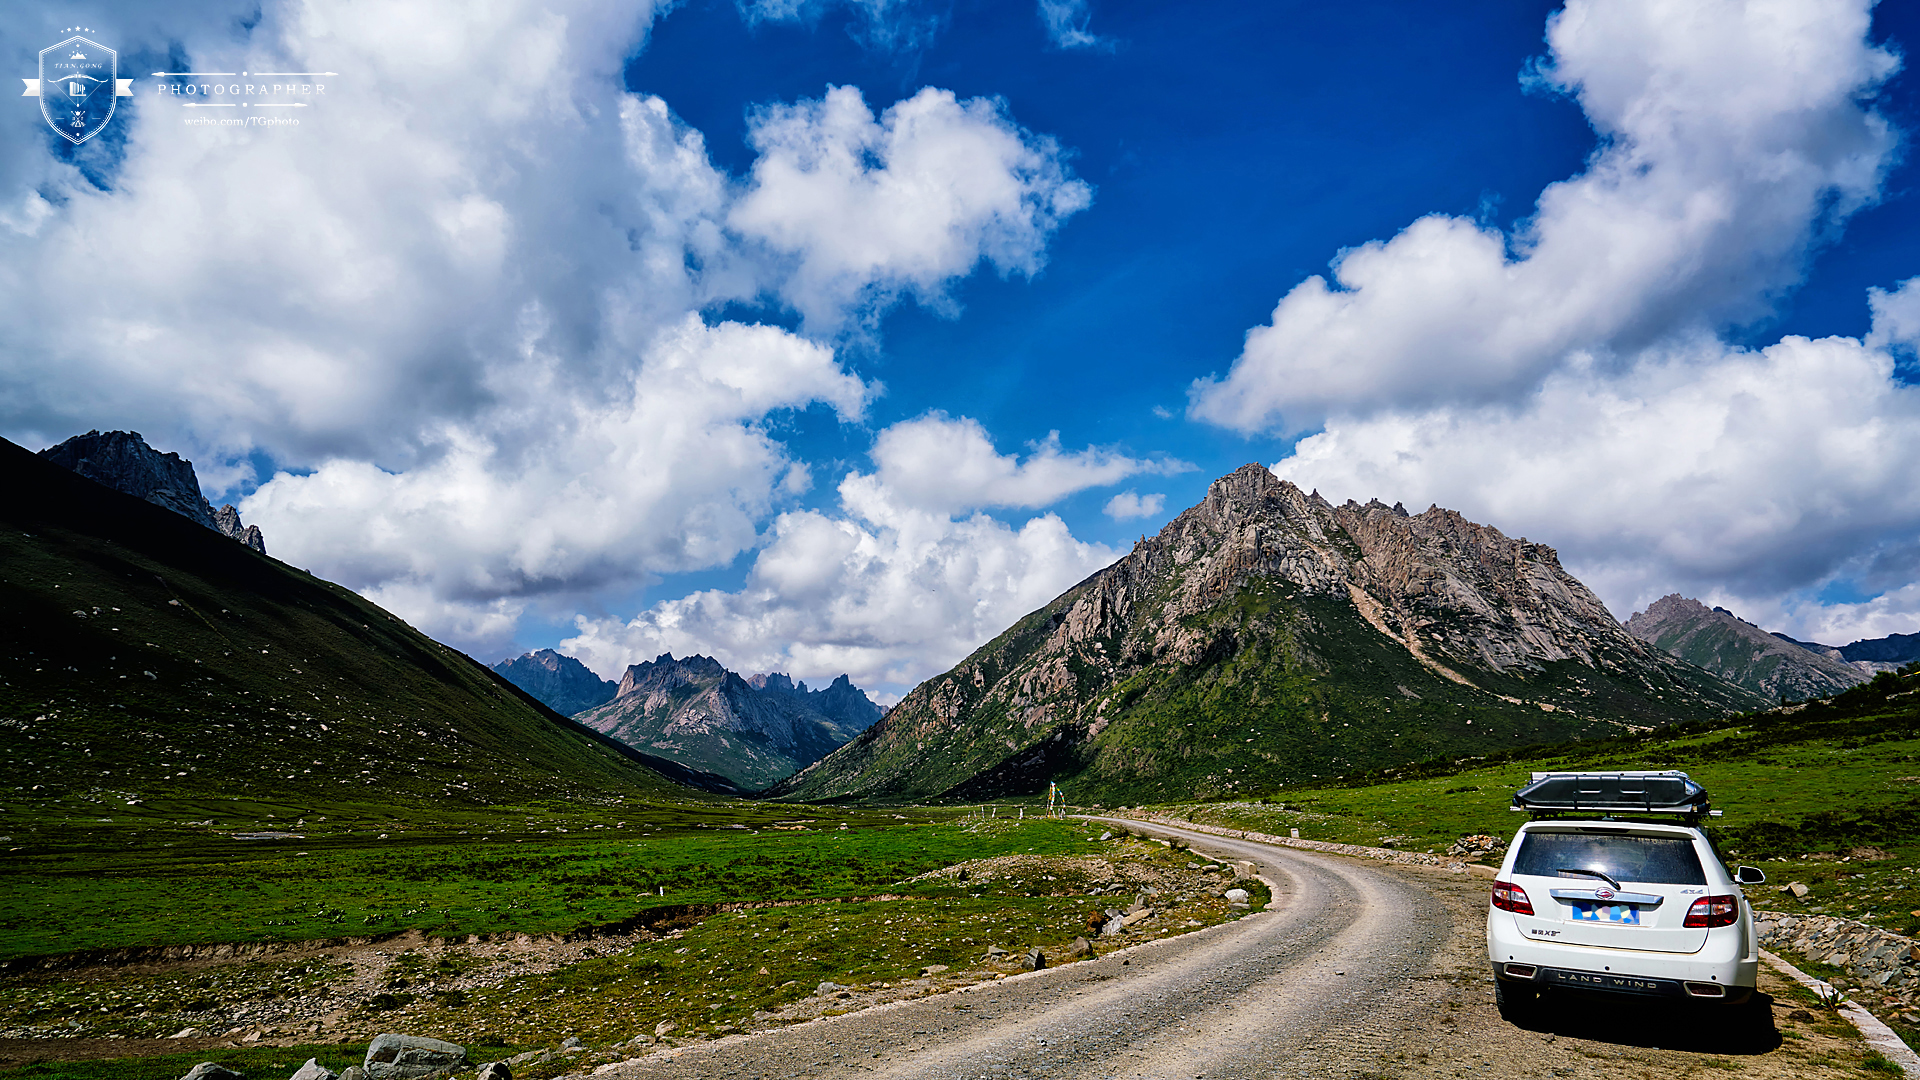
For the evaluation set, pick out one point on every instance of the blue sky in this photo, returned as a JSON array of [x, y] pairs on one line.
[[832, 337]]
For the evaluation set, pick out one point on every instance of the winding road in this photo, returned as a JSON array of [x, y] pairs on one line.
[[1356, 969]]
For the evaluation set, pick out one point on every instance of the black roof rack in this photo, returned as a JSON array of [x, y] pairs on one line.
[[1552, 794]]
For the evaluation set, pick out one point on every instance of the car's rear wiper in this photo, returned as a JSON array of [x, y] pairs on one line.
[[1590, 873]]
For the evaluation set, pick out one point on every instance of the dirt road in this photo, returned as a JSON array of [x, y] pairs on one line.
[[1356, 970]]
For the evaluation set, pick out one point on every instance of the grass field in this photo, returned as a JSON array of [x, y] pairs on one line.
[[1827, 794]]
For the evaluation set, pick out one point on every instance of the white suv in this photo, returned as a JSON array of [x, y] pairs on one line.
[[1614, 887]]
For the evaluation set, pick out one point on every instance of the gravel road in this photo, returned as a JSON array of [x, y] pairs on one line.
[[1356, 970]]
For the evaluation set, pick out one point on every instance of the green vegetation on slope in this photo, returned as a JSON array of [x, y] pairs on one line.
[[147, 662], [1802, 787]]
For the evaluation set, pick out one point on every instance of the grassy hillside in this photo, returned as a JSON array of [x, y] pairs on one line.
[[1306, 689], [1826, 793], [153, 671]]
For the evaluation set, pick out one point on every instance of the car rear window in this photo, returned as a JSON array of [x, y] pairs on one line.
[[1649, 860]]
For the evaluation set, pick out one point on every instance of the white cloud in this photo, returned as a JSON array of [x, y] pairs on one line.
[[893, 26], [862, 210], [887, 593], [1734, 133], [1742, 476], [898, 585], [459, 304], [1067, 24], [948, 465], [669, 473], [1127, 504], [1896, 316]]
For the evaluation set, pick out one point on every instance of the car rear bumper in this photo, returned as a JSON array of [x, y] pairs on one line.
[[1719, 964]]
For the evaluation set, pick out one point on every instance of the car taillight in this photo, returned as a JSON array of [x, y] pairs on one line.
[[1711, 911], [1510, 897]]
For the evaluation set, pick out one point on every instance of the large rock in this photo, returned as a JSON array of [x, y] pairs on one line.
[[410, 1057], [313, 1070], [123, 461], [207, 1070]]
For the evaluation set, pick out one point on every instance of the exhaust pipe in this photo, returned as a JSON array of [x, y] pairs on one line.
[[1705, 990], [1520, 971]]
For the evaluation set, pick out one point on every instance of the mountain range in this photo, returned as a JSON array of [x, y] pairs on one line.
[[1740, 652], [1268, 636], [753, 731]]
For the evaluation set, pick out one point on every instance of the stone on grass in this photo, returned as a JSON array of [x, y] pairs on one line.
[[207, 1070], [1798, 890], [313, 1070], [1237, 896], [1080, 947], [1114, 926], [411, 1057], [829, 987], [354, 1072], [933, 969], [188, 1033], [1035, 960], [494, 1070], [664, 1027], [995, 950]]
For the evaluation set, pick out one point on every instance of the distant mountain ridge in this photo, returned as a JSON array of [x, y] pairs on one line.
[[1267, 636], [1870, 655], [1737, 650], [753, 731], [123, 461], [561, 683]]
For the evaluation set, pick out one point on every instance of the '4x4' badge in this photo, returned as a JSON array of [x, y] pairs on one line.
[[78, 87]]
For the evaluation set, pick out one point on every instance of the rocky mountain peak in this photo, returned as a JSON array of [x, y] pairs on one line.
[[561, 683], [123, 461], [663, 673], [1333, 636], [1740, 652]]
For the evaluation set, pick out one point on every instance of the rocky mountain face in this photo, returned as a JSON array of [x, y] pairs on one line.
[[751, 731], [561, 683], [123, 461], [1740, 652], [1267, 636], [1869, 655]]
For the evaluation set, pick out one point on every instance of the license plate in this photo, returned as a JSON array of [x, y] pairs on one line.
[[1623, 914]]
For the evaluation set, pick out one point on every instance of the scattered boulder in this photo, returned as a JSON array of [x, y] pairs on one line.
[[1081, 947], [494, 1070], [1113, 925], [571, 1042], [411, 1057], [663, 1027], [995, 950], [933, 969], [1796, 889], [826, 988], [188, 1033], [313, 1070], [354, 1072], [1468, 847], [207, 1070], [1036, 960], [1238, 896]]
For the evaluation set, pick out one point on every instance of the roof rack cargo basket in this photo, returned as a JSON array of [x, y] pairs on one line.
[[1554, 793]]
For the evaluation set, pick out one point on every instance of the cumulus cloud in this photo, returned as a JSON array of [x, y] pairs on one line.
[[887, 592], [862, 209], [1734, 135], [1130, 504], [905, 580], [1744, 475], [459, 306], [949, 465], [1067, 24], [1896, 317], [668, 475]]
